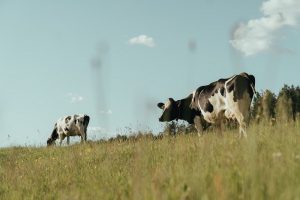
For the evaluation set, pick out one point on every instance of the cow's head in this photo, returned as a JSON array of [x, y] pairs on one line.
[[50, 142], [53, 137], [170, 110]]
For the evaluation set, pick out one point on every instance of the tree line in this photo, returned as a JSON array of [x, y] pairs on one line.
[[281, 108]]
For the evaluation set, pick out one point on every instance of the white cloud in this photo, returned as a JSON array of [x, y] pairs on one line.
[[108, 112], [142, 40], [74, 98], [259, 35]]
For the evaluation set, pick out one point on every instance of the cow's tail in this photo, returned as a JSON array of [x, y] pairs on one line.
[[86, 121], [252, 83]]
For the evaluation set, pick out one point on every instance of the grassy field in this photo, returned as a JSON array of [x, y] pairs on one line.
[[264, 166]]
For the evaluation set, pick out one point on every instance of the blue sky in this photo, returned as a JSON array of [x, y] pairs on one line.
[[115, 60]]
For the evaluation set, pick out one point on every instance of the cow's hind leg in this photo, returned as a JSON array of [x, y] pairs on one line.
[[83, 138], [219, 127], [242, 125], [241, 113], [242, 130], [68, 140]]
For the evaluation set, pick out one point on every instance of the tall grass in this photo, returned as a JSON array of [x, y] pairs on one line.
[[264, 166]]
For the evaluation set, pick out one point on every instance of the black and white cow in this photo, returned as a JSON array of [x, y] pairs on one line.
[[229, 97], [75, 125]]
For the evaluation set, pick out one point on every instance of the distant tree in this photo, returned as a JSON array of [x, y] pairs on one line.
[[294, 94], [268, 105], [256, 107], [284, 109], [174, 128], [296, 103], [263, 107]]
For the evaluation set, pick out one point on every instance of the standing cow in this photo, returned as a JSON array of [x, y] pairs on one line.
[[229, 97], [75, 125]]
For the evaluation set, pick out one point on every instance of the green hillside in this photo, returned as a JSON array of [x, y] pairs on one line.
[[266, 165]]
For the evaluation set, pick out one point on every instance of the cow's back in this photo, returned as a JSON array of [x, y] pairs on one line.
[[210, 100], [66, 125]]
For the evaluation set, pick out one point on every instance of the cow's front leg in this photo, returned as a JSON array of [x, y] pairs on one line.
[[61, 138], [60, 141], [198, 125], [220, 122], [219, 126]]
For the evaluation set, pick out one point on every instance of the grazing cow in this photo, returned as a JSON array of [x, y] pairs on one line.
[[229, 97], [75, 125]]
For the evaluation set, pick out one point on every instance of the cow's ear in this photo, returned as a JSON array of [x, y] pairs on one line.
[[171, 100], [161, 105]]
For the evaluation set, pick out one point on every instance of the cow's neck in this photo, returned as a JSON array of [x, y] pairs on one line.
[[185, 112]]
